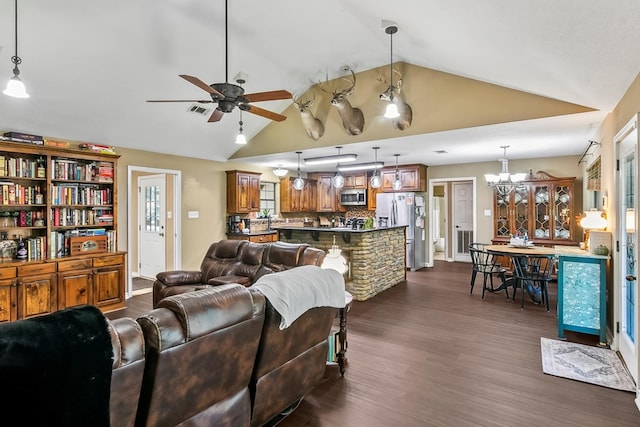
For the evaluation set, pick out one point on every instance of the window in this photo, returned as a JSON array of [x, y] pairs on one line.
[[268, 197], [593, 176]]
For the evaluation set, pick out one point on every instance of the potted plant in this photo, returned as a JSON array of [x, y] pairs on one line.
[[265, 212]]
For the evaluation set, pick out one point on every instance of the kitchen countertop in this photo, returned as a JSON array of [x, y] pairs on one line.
[[254, 233], [337, 229]]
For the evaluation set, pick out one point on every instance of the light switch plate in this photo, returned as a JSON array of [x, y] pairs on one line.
[[487, 212], [193, 214]]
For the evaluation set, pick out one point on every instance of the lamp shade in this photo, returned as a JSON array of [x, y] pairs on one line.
[[15, 88], [593, 220], [334, 260]]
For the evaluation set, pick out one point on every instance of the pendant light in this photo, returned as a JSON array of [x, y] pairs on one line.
[[240, 138], [338, 179], [15, 87], [397, 183], [392, 109], [376, 181], [298, 183]]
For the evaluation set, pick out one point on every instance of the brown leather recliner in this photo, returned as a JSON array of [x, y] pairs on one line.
[[236, 261], [128, 367], [201, 348]]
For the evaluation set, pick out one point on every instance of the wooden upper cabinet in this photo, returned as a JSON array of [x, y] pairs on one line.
[[413, 178], [243, 192], [326, 201], [356, 180], [292, 200]]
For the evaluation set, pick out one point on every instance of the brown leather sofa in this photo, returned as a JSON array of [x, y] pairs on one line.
[[128, 367], [289, 363], [201, 349], [236, 261]]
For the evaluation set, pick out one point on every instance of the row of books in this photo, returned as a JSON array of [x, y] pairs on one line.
[[73, 170], [36, 248], [21, 167], [75, 194], [334, 346], [65, 217], [23, 137], [18, 194]]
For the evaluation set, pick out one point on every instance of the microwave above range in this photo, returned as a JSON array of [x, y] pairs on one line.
[[353, 197]]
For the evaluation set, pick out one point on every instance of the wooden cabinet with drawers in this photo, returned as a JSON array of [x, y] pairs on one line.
[[37, 288], [255, 238], [356, 180]]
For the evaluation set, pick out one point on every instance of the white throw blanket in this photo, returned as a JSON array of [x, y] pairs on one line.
[[293, 292]]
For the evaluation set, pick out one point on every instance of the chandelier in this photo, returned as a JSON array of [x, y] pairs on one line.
[[504, 182]]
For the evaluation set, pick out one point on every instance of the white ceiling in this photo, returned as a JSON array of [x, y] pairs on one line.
[[90, 66]]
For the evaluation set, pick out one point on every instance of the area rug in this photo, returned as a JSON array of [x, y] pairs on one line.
[[585, 363]]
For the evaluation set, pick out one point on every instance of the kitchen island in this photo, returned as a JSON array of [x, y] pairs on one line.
[[376, 257]]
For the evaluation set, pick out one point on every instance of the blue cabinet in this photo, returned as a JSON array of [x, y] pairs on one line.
[[582, 295]]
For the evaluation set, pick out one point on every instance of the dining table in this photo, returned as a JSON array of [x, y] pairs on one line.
[[581, 278]]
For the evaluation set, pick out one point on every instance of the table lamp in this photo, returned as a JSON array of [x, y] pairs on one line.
[[593, 220], [334, 260]]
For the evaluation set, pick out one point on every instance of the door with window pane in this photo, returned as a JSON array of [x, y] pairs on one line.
[[151, 225], [628, 255]]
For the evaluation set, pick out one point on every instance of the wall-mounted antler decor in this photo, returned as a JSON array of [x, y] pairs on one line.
[[352, 117], [312, 124]]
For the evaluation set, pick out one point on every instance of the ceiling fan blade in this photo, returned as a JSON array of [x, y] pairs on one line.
[[268, 96], [216, 115], [202, 85], [265, 113], [200, 101]]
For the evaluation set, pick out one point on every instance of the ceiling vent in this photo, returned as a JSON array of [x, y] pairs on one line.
[[199, 109]]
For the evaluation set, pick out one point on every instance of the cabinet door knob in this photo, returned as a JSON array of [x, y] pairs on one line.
[[630, 278]]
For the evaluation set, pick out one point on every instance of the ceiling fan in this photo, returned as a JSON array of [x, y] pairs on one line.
[[228, 95]]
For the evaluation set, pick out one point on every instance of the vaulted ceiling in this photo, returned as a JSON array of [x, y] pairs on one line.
[[547, 73]]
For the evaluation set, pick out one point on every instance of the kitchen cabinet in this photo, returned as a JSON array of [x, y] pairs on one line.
[[371, 197], [328, 197], [355, 180], [243, 191], [541, 206], [292, 200], [413, 178]]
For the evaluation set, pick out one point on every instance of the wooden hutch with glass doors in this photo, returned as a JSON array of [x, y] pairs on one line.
[[542, 206], [58, 219]]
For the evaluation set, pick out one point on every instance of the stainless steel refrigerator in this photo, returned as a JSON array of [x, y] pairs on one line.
[[406, 209]]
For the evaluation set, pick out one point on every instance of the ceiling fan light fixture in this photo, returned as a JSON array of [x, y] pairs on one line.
[[240, 138], [15, 86]]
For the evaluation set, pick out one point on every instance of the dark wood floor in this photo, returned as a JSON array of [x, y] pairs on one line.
[[426, 353]]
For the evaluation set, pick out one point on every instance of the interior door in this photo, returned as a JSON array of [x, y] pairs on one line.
[[462, 212], [627, 235], [151, 225]]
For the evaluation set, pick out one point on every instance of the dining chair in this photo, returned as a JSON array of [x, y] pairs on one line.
[[486, 263], [532, 273]]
